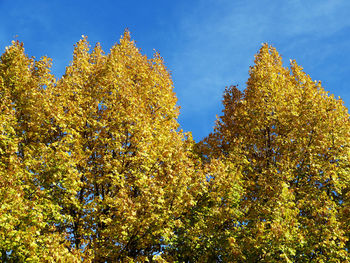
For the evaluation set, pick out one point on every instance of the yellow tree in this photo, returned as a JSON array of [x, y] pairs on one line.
[[208, 231], [28, 214], [320, 159], [295, 139], [117, 116]]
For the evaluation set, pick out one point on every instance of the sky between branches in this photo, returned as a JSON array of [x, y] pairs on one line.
[[206, 44]]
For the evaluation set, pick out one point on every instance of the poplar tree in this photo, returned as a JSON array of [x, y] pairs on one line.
[[28, 213], [117, 115], [94, 167], [295, 138]]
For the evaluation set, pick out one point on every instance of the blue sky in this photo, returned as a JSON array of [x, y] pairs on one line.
[[206, 44]]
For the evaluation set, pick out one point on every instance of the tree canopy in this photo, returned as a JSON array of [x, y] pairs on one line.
[[95, 168]]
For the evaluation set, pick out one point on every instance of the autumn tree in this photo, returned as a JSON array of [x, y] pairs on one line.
[[295, 138], [28, 213], [116, 114], [94, 167]]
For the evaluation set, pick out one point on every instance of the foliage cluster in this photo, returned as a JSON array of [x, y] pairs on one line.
[[94, 167]]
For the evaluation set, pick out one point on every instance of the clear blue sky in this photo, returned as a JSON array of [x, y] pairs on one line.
[[206, 44]]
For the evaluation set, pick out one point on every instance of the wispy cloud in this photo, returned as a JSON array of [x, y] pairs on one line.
[[220, 39]]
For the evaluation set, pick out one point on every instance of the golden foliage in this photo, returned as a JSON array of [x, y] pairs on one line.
[[295, 138], [94, 168]]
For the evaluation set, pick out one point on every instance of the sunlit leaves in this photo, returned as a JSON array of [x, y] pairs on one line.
[[94, 168], [28, 214], [117, 117], [295, 138]]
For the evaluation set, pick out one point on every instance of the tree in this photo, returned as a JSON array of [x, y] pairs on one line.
[[28, 214], [94, 167], [117, 116], [295, 139]]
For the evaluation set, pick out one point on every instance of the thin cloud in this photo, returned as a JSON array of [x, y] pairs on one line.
[[220, 38]]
